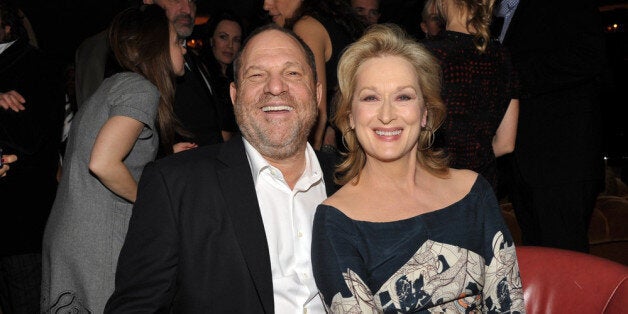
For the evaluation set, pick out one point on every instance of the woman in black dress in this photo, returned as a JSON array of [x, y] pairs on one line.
[[480, 88]]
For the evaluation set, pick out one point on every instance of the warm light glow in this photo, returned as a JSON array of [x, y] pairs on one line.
[[199, 20]]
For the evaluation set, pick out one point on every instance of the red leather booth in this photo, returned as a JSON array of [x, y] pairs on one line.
[[561, 281]]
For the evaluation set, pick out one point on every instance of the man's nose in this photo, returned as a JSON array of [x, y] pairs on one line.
[[186, 7], [275, 84]]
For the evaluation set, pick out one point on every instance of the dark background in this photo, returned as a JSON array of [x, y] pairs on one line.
[[61, 25]]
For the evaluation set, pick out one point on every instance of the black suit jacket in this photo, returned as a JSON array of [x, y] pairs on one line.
[[196, 241], [28, 190], [557, 48], [197, 109]]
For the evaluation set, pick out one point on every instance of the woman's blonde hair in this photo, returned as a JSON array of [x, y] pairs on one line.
[[479, 14], [389, 40]]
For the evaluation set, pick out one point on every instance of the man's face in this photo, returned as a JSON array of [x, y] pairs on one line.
[[367, 9], [275, 100], [181, 13]]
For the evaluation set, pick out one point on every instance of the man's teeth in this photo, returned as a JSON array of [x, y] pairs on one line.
[[388, 133], [276, 108]]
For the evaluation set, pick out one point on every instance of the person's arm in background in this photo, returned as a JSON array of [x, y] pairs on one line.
[[113, 143], [506, 135], [315, 36]]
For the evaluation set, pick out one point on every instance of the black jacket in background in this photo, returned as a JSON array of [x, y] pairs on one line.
[[34, 135]]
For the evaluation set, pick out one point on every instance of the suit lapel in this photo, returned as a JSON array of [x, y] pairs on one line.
[[239, 193]]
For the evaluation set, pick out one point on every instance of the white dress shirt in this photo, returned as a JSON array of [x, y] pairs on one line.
[[4, 47], [288, 216]]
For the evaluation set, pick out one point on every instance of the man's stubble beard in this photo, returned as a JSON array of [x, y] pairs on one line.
[[258, 134]]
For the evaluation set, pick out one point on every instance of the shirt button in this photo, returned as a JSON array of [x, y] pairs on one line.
[[300, 234]]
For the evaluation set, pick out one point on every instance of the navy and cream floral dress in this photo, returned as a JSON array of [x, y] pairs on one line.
[[458, 259]]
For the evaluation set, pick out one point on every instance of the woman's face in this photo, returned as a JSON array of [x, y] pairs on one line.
[[226, 41], [177, 50], [281, 10], [387, 109]]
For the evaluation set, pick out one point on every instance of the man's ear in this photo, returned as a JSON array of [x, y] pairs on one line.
[[233, 92], [7, 31], [319, 94]]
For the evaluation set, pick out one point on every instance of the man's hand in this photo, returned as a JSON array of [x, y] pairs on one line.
[[181, 146], [6, 160], [12, 100]]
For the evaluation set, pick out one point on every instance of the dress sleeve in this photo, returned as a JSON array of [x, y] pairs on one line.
[[336, 261], [147, 266], [136, 98], [502, 290]]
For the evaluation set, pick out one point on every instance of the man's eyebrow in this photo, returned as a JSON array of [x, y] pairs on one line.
[[286, 64]]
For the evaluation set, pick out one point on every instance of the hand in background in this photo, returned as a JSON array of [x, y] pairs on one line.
[[12, 100], [6, 160], [181, 146]]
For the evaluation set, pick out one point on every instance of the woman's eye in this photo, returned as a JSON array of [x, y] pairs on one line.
[[369, 98], [404, 97]]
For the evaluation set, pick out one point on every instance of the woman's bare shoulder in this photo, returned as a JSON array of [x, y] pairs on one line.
[[462, 180]]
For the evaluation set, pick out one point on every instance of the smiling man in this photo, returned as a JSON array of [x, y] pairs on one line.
[[227, 228]]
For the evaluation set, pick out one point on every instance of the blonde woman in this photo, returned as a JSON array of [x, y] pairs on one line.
[[406, 233]]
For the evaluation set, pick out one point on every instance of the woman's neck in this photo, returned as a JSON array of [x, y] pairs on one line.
[[457, 22]]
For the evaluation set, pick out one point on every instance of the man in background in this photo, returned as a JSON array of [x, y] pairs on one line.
[[368, 10], [31, 119], [558, 51]]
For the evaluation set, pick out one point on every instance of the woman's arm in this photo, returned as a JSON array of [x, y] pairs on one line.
[[504, 139], [113, 143], [315, 36]]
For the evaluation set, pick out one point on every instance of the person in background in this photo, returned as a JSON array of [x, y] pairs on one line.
[[406, 233], [558, 48], [227, 228], [480, 89], [114, 135], [431, 22], [94, 60], [226, 34], [195, 105], [368, 10], [90, 62], [31, 120], [327, 26]]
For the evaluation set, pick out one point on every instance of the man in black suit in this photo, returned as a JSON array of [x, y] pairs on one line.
[[196, 108], [558, 49], [227, 228], [31, 123]]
